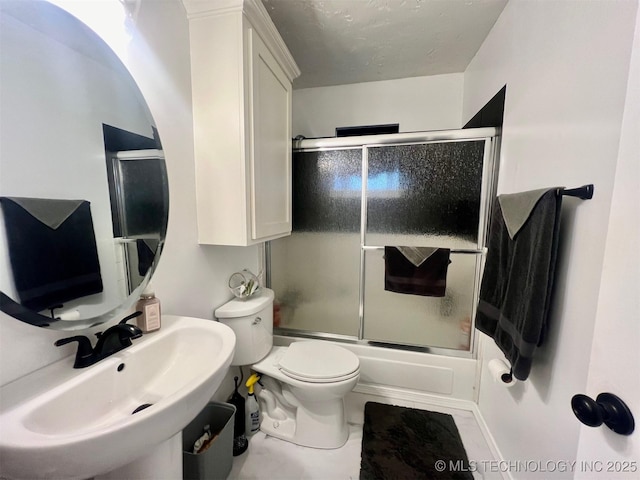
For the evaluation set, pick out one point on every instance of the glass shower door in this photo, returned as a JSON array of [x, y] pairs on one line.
[[354, 203], [426, 195], [315, 272]]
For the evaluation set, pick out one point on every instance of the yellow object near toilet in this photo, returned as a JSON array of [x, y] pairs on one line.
[[252, 409]]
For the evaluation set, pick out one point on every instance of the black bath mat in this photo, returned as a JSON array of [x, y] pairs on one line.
[[405, 443]]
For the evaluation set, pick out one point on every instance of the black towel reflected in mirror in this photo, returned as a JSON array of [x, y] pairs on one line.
[[51, 265]]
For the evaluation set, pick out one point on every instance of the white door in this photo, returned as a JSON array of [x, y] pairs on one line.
[[615, 354]]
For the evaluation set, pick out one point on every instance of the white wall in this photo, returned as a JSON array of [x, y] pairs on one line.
[[191, 279], [417, 104], [565, 64], [615, 354]]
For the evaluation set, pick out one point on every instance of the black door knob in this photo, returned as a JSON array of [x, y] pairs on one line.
[[607, 408]]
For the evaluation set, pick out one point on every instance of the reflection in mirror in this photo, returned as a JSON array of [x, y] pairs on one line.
[[136, 177], [83, 190]]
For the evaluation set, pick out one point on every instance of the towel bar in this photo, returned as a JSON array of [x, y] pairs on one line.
[[584, 192], [453, 250]]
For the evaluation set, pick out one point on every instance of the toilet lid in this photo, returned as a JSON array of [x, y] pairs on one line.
[[318, 361]]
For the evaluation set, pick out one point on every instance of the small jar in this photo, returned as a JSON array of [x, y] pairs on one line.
[[149, 305]]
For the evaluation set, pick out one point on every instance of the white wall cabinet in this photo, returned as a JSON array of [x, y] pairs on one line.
[[241, 88]]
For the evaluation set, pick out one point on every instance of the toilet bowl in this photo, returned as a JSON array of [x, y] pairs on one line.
[[303, 398], [304, 384]]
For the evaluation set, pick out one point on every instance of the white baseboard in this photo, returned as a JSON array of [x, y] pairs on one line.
[[491, 442]]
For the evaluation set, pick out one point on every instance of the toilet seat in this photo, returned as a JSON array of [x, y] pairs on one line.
[[320, 380], [318, 362]]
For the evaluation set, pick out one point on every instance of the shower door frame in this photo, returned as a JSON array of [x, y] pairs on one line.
[[491, 137]]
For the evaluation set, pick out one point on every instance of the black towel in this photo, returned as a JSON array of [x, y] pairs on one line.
[[51, 265], [518, 280], [429, 279]]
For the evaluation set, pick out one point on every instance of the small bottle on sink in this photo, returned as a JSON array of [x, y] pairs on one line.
[[149, 305]]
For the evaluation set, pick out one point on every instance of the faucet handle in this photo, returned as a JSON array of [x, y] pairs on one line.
[[129, 331], [84, 354], [129, 317], [124, 321]]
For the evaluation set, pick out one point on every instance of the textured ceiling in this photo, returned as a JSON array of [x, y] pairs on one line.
[[337, 42]]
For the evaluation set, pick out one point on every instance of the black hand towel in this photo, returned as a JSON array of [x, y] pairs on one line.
[[429, 279], [518, 280], [51, 265]]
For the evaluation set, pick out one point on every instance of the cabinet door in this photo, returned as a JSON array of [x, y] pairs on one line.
[[270, 156]]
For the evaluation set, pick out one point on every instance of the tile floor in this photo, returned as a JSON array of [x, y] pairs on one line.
[[269, 458]]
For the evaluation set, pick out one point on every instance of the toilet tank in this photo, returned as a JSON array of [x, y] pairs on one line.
[[251, 320]]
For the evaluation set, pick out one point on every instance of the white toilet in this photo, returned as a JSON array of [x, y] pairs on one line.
[[304, 384]]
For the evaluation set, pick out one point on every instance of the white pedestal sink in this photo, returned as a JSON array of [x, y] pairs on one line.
[[61, 422]]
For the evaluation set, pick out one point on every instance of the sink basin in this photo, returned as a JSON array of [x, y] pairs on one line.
[[60, 422]]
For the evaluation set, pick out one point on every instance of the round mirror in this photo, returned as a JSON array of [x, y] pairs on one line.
[[83, 183]]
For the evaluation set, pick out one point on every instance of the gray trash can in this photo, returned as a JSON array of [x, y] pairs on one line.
[[217, 460]]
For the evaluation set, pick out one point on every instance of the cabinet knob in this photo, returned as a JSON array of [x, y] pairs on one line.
[[607, 408]]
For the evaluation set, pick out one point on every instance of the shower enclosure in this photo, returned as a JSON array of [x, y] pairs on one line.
[[353, 196]]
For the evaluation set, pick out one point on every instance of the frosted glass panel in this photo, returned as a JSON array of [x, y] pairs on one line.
[[145, 210], [327, 189], [424, 194], [316, 279], [315, 272], [416, 320]]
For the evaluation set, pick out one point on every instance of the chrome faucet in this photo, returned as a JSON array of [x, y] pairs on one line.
[[112, 340]]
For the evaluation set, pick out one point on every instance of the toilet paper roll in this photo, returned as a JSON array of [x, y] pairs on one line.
[[69, 315], [500, 372]]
